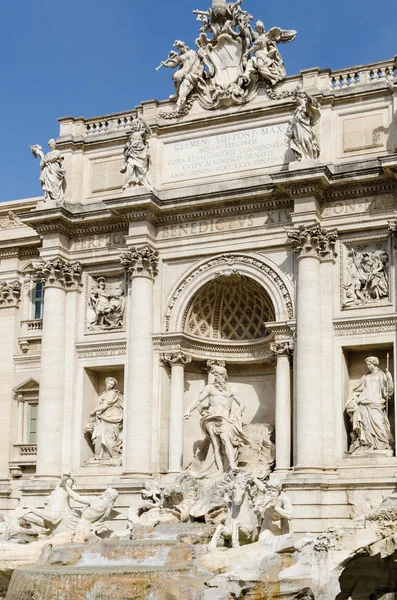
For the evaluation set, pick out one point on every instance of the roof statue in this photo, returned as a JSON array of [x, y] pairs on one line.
[[231, 62]]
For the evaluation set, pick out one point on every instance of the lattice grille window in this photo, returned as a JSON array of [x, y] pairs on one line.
[[231, 308]]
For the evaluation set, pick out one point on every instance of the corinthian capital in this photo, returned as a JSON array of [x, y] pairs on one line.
[[282, 348], [140, 262], [313, 241], [58, 273], [176, 358], [10, 293]]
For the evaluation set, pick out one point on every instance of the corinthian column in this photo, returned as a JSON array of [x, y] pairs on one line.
[[58, 278], [141, 264], [10, 293], [283, 351], [311, 245], [177, 361]]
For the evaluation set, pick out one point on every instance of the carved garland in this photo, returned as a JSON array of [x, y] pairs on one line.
[[231, 259]]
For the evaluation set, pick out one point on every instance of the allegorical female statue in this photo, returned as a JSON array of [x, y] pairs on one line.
[[136, 156], [52, 174], [105, 426], [302, 139], [367, 409]]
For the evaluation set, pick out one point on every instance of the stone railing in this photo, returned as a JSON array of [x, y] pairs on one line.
[[363, 74], [32, 327], [107, 125], [28, 449]]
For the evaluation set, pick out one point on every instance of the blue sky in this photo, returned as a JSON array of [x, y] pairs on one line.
[[92, 57]]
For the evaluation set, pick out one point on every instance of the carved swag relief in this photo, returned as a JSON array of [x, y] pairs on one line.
[[366, 276]]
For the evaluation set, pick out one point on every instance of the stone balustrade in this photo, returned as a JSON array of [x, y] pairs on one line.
[[372, 73], [33, 326]]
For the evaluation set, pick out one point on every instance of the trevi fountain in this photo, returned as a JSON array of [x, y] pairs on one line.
[[198, 322]]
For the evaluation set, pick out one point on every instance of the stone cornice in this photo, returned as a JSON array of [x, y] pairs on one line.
[[97, 349], [202, 349], [365, 325], [313, 242], [140, 261], [10, 294], [58, 273]]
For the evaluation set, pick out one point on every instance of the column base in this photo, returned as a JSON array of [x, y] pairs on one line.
[[282, 473], [310, 470]]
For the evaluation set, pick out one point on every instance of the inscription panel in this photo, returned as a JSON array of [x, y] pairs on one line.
[[226, 153], [93, 242], [221, 225]]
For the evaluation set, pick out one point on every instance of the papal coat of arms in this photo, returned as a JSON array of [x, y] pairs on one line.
[[231, 61]]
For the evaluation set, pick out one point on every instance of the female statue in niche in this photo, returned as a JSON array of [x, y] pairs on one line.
[[367, 407], [105, 426]]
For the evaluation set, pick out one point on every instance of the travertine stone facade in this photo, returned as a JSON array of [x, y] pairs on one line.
[[191, 232]]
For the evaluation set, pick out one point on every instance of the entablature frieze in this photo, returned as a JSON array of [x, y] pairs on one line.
[[98, 349], [199, 349], [365, 325]]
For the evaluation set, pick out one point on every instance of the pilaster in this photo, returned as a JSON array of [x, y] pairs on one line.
[[10, 292]]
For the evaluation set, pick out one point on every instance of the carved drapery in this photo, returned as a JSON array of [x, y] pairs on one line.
[[140, 262], [10, 293], [58, 273], [313, 241]]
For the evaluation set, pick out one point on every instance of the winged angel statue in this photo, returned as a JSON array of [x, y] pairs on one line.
[[231, 61]]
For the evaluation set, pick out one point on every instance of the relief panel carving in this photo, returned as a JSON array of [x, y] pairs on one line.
[[106, 304], [366, 274]]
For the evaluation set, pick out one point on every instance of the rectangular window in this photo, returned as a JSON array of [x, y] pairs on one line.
[[32, 423], [38, 300]]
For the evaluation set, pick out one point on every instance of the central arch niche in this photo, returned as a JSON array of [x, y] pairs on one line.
[[234, 308]]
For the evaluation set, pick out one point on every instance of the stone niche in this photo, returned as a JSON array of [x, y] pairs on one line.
[[354, 368], [94, 386], [255, 385]]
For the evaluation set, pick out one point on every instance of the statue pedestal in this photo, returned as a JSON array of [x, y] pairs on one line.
[[303, 164]]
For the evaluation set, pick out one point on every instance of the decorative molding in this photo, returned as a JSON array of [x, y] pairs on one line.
[[313, 241], [58, 273], [27, 362], [176, 358], [10, 294], [140, 262], [213, 350], [364, 325], [232, 260], [282, 332], [98, 349], [11, 221]]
